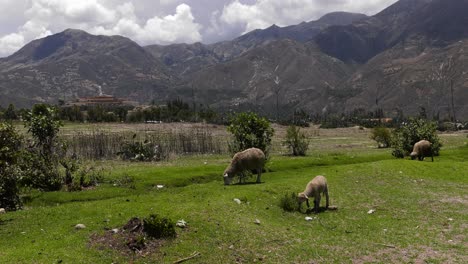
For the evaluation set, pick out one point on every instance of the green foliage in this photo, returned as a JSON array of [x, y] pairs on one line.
[[43, 124], [289, 202], [250, 130], [404, 138], [10, 113], [159, 227], [10, 174], [382, 136], [43, 157], [141, 151], [296, 141]]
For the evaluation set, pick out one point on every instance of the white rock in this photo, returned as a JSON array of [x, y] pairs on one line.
[[181, 223], [257, 221], [308, 218], [2, 211], [237, 201], [80, 226], [371, 211], [115, 230], [159, 186], [450, 219]]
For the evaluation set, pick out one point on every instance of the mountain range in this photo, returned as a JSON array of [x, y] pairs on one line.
[[412, 54]]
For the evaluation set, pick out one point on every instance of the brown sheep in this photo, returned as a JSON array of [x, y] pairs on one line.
[[314, 188], [249, 159], [422, 149]]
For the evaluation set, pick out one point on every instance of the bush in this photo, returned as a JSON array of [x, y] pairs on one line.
[[42, 158], [289, 202], [296, 141], [404, 138], [141, 151], [382, 136], [159, 227], [10, 174], [250, 130]]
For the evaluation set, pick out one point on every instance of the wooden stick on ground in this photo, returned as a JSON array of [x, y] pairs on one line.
[[385, 245], [194, 255]]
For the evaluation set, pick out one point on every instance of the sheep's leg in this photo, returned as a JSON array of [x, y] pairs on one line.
[[308, 205], [241, 178], [259, 174], [317, 203], [327, 198]]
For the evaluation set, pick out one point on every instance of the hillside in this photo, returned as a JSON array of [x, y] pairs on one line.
[[338, 63], [73, 64]]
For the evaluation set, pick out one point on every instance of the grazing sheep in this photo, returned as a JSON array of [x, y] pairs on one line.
[[249, 159], [422, 149], [314, 188]]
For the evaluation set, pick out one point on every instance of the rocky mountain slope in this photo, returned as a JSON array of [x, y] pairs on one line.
[[74, 64], [413, 54], [184, 58]]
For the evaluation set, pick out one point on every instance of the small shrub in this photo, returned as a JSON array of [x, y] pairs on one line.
[[10, 173], [141, 151], [382, 136], [250, 130], [296, 141], [43, 156], [159, 227], [404, 138], [289, 202]]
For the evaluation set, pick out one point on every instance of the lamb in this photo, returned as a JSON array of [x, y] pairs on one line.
[[314, 188], [249, 159], [422, 149]]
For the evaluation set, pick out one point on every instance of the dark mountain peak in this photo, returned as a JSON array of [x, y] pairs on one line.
[[403, 6], [69, 42], [340, 18], [437, 22]]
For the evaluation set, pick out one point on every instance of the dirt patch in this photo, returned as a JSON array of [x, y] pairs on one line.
[[420, 255], [130, 240], [455, 200]]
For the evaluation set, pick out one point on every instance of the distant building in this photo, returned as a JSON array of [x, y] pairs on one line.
[[102, 100]]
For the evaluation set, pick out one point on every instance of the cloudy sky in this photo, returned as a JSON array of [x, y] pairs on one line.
[[161, 21]]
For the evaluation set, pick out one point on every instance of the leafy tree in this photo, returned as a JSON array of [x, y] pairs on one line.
[[250, 130], [382, 136], [10, 113], [296, 141], [10, 174], [43, 156], [412, 131]]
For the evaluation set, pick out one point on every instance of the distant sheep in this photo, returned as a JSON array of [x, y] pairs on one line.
[[314, 188], [249, 159], [422, 149]]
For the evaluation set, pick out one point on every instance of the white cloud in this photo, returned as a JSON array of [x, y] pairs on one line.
[[45, 17], [179, 27], [163, 21], [264, 13]]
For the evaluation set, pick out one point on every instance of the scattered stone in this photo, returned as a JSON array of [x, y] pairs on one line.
[[333, 207], [80, 226], [450, 219], [115, 230], [308, 218], [257, 222], [237, 201], [231, 246], [2, 211], [181, 223], [371, 211], [159, 186]]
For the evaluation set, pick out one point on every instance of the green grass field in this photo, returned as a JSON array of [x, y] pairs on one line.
[[421, 210]]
